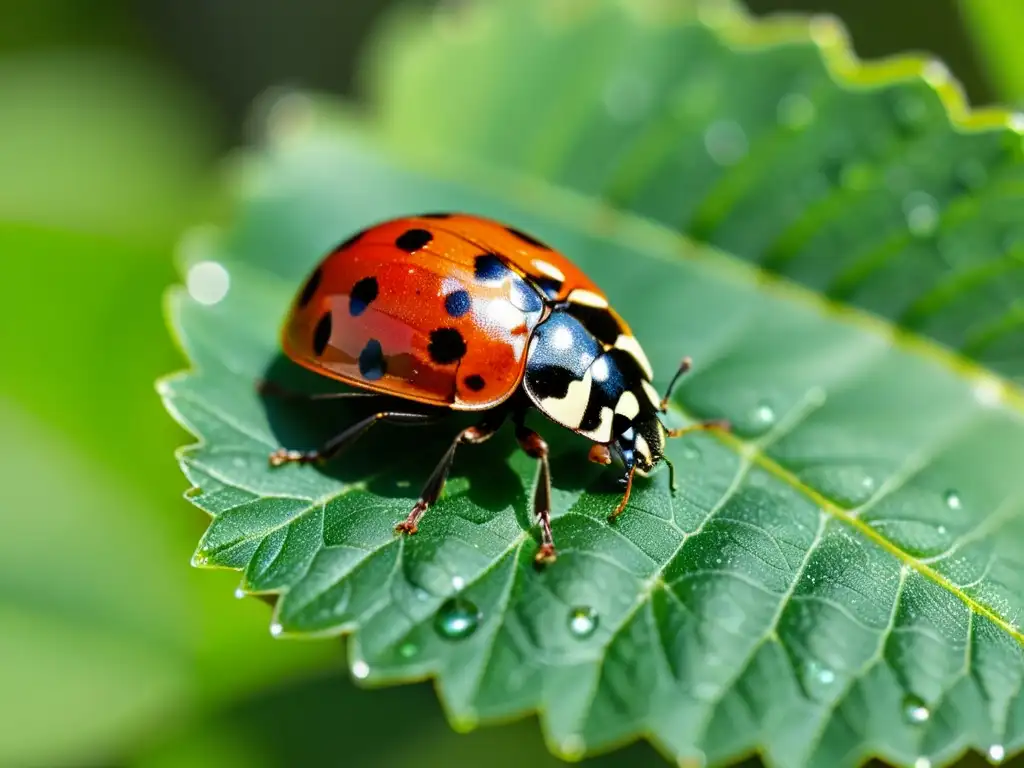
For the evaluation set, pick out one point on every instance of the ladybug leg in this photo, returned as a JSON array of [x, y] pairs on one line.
[[625, 495], [701, 426], [535, 446], [435, 483], [347, 437]]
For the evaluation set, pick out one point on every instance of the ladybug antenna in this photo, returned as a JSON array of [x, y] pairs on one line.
[[684, 366]]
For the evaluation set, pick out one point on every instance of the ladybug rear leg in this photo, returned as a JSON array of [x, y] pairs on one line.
[[346, 438], [535, 446], [435, 483]]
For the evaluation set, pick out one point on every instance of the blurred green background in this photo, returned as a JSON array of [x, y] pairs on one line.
[[114, 119]]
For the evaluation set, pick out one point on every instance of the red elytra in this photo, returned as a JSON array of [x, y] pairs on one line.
[[450, 312]]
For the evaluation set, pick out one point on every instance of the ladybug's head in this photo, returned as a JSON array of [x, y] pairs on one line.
[[642, 445]]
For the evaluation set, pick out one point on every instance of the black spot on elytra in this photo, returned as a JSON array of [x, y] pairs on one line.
[[446, 346], [351, 241], [457, 303], [362, 295], [310, 288], [597, 320], [372, 364], [435, 215], [487, 267], [322, 334], [528, 239], [413, 239], [551, 381], [475, 382]]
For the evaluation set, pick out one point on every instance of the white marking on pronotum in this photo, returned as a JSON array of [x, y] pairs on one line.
[[632, 346], [627, 405], [548, 270], [652, 394], [602, 433], [588, 298], [569, 410]]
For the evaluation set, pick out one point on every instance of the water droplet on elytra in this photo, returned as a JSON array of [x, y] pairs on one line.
[[997, 753], [582, 622], [922, 213], [726, 142], [795, 111], [953, 500], [457, 619], [915, 711]]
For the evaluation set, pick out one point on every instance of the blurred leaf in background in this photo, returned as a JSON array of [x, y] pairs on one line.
[[108, 634], [997, 27]]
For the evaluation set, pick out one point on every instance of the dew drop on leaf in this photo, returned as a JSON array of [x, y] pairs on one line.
[[997, 753], [360, 670], [207, 282], [914, 710], [764, 415], [408, 650], [276, 629], [953, 500], [922, 213], [795, 111], [941, 530], [458, 582], [922, 762], [239, 593], [457, 619], [726, 142], [582, 622]]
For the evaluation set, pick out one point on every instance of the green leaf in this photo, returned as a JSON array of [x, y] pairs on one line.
[[840, 578], [996, 27], [767, 140]]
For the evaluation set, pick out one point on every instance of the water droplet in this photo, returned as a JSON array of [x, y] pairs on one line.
[[360, 670], [822, 674], [457, 619], [941, 530], [867, 483], [408, 650], [199, 559], [997, 753], [583, 621], [690, 453], [458, 583], [922, 762], [764, 415], [922, 213], [988, 391], [627, 97], [207, 282], [573, 747], [915, 711], [953, 500], [795, 111], [276, 629], [239, 593], [726, 142], [420, 594]]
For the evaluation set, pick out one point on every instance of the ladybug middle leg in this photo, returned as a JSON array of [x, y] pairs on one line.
[[435, 483], [535, 446]]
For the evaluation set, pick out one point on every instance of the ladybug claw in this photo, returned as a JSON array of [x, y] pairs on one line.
[[407, 528], [545, 555]]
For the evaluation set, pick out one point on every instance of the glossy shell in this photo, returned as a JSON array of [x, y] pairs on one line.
[[438, 309]]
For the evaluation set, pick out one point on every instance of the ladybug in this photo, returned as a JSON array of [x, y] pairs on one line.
[[445, 312]]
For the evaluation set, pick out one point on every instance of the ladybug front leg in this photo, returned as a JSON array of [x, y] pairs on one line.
[[534, 445], [435, 483]]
